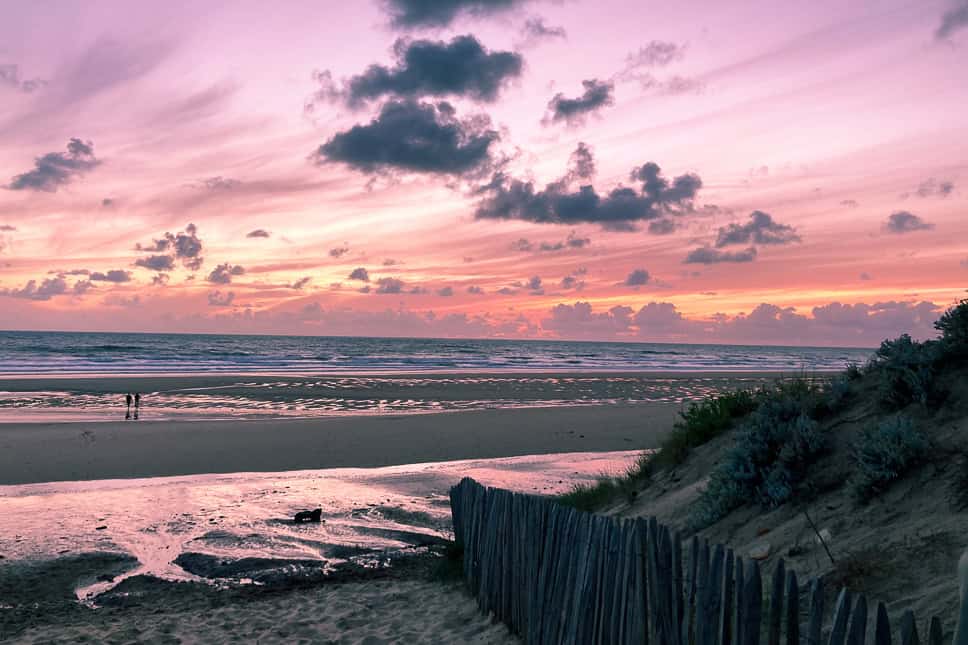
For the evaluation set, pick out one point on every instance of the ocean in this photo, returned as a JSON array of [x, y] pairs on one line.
[[62, 353]]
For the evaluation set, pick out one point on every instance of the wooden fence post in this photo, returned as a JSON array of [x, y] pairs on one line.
[[857, 633], [752, 605], [815, 621], [776, 603], [838, 631], [792, 609], [909, 629]]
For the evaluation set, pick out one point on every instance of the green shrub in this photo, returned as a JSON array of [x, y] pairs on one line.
[[905, 371], [703, 421], [608, 488], [882, 454], [953, 326], [769, 460]]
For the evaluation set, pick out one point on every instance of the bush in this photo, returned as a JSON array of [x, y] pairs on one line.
[[593, 497], [769, 460], [703, 421], [953, 326], [905, 371], [882, 454]]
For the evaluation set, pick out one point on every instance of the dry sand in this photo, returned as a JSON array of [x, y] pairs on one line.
[[44, 452], [368, 613]]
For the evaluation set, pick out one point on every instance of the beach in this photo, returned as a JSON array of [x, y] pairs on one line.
[[128, 515]]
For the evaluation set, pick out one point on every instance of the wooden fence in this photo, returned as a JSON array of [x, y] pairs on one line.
[[556, 575]]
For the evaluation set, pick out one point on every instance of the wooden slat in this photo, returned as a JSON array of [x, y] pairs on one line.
[[752, 605], [777, 587], [909, 629], [935, 635], [857, 632], [838, 631], [882, 628], [815, 620], [792, 609], [726, 611], [739, 590]]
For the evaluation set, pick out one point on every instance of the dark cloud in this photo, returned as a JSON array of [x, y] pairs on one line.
[[905, 222], [359, 273], [865, 276], [7, 228], [849, 203], [184, 246], [259, 232], [534, 30], [156, 262], [709, 255], [507, 291], [761, 229], [223, 273], [446, 292], [581, 164], [523, 245], [339, 251], [637, 278], [953, 20], [417, 291], [675, 85], [462, 67], [390, 262], [45, 290], [218, 299], [417, 137], [597, 95], [10, 78], [441, 13], [159, 280], [621, 209], [56, 169], [534, 285], [300, 283], [108, 202], [389, 286], [934, 188], [114, 275], [474, 290]]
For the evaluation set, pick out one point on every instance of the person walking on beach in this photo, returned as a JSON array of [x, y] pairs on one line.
[[137, 404], [127, 413]]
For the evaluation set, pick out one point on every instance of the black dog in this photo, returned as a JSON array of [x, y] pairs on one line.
[[309, 516]]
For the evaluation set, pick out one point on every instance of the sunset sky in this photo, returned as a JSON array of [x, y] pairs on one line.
[[771, 171]]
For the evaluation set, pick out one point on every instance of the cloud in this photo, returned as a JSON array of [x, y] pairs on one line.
[[184, 246], [934, 188], [114, 275], [597, 95], [7, 228], [534, 30], [45, 290], [389, 286], [413, 136], [865, 276], [218, 299], [619, 210], [462, 67], [953, 20], [339, 251], [658, 53], [118, 300], [761, 229], [904, 222], [579, 321], [708, 255], [390, 262], [534, 285], [849, 203], [662, 226], [56, 169], [259, 232], [441, 13], [10, 77], [217, 183], [446, 292], [156, 262], [523, 245], [223, 273], [359, 273], [474, 290], [300, 283], [637, 278]]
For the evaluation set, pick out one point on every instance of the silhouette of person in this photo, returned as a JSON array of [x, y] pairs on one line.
[[127, 412], [137, 404]]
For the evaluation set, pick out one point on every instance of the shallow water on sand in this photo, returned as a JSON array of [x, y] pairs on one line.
[[368, 514], [302, 397]]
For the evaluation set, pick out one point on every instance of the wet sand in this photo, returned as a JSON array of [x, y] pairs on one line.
[[40, 452]]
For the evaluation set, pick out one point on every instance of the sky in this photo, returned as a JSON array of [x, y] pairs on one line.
[[766, 171]]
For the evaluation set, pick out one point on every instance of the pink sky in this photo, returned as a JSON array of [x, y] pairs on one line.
[[844, 122]]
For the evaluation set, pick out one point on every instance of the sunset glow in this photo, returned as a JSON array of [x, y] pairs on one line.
[[223, 167]]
